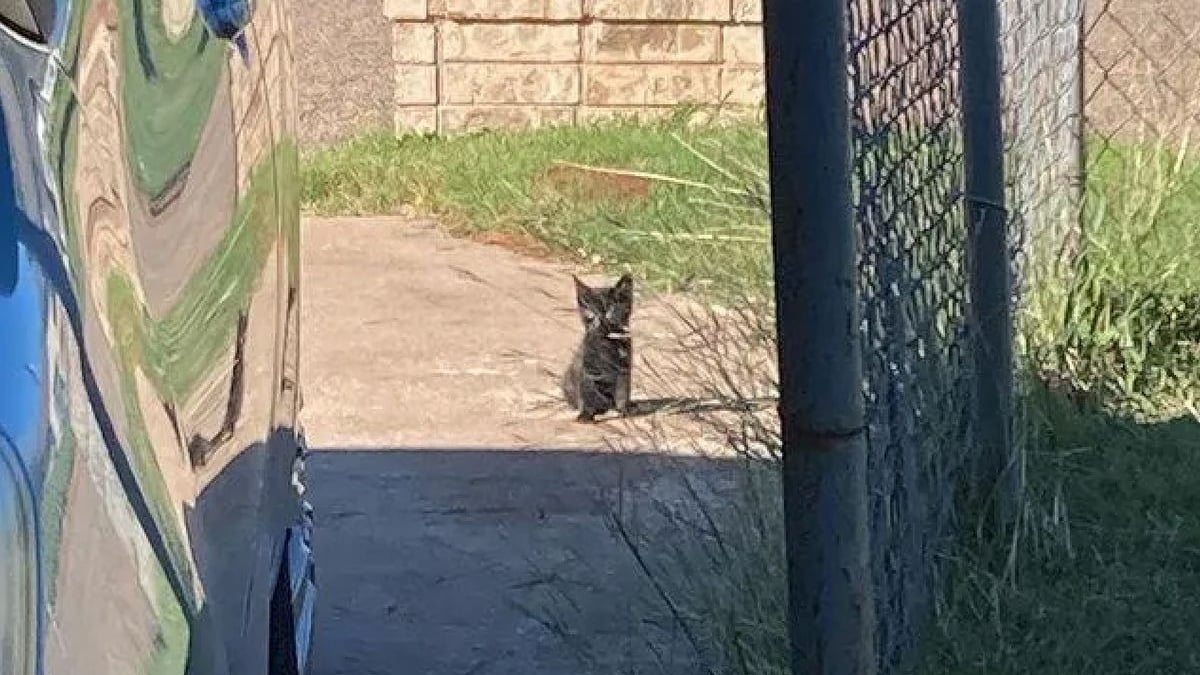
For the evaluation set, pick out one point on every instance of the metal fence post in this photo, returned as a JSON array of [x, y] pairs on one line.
[[999, 472], [1074, 238], [822, 411]]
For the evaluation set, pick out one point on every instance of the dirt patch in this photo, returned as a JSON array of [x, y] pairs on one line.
[[523, 244], [595, 185]]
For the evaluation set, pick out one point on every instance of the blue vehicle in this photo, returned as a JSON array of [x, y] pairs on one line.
[[152, 512]]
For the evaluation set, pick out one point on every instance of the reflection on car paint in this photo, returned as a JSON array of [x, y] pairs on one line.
[[149, 305], [18, 567], [227, 19]]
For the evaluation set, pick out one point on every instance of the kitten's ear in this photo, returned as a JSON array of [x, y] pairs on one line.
[[585, 298], [584, 294], [624, 286]]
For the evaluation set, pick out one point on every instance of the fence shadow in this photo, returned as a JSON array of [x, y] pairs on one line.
[[427, 559]]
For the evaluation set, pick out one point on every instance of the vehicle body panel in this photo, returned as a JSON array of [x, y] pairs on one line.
[[149, 292]]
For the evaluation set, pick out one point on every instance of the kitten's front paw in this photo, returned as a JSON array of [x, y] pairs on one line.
[[586, 417]]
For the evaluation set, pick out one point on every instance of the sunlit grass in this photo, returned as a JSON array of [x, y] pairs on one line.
[[621, 196]]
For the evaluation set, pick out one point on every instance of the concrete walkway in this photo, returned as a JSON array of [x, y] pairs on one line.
[[448, 479], [416, 338]]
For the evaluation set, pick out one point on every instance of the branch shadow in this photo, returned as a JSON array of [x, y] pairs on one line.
[[677, 405]]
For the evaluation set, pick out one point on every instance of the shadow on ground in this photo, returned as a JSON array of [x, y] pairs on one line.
[[426, 557]]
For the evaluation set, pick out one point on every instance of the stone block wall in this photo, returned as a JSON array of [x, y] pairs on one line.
[[464, 65]]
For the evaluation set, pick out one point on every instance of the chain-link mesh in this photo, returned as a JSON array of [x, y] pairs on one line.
[[1042, 107], [1100, 105], [907, 163], [1141, 106], [1095, 85], [1141, 58]]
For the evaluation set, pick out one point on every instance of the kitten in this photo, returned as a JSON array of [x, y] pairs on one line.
[[599, 375]]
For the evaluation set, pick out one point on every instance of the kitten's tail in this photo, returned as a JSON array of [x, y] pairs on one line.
[[570, 385]]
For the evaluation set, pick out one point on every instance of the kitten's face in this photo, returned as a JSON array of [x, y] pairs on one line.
[[605, 309]]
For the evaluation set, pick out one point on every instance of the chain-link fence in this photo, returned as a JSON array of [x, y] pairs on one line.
[[1099, 105], [1142, 200], [1093, 84], [907, 163], [1091, 110], [1043, 90], [1102, 106], [1140, 59]]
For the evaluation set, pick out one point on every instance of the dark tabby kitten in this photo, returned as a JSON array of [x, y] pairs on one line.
[[598, 378]]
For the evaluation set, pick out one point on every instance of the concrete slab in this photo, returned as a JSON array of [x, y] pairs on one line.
[[415, 338], [452, 486]]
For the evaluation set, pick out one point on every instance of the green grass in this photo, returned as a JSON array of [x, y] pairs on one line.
[[711, 233], [1108, 563], [1106, 567], [1108, 559], [1123, 323], [1143, 212]]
